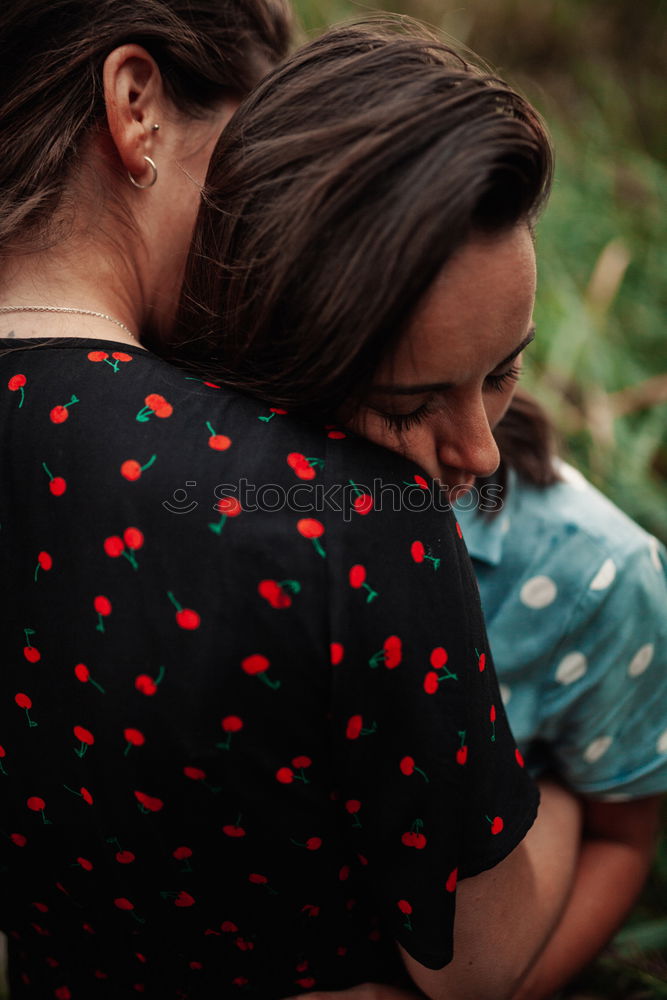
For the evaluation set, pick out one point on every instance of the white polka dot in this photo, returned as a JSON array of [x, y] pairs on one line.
[[571, 476], [597, 748], [604, 576], [571, 668], [505, 526], [641, 660], [505, 693], [538, 592], [616, 797], [655, 557], [661, 745]]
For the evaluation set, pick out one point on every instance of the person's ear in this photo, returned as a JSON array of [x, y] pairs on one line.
[[133, 96]]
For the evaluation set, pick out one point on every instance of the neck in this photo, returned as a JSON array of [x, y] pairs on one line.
[[72, 275]]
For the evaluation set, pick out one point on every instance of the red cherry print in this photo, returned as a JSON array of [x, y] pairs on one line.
[[363, 502], [131, 470], [3, 754], [233, 831], [408, 768], [226, 507], [458, 530], [186, 618], [184, 899], [431, 682], [158, 404], [257, 879], [273, 411], [121, 356], [195, 773], [51, 962], [337, 652], [312, 911], [492, 719], [59, 414], [420, 481], [195, 965], [301, 761], [113, 546], [439, 658], [37, 804], [86, 737], [134, 738], [182, 853], [354, 725], [357, 578], [311, 528], [148, 803], [32, 654], [23, 701], [481, 661], [302, 966], [18, 839], [42, 907], [497, 825], [44, 561], [462, 752], [256, 665], [228, 927], [414, 838], [102, 605], [97, 356], [519, 757], [336, 435], [146, 684], [417, 551], [344, 873], [86, 796], [300, 465], [277, 593], [133, 538], [393, 652], [82, 673], [124, 857], [314, 843], [232, 724], [16, 384], [218, 442], [307, 982], [450, 884], [85, 864], [285, 775], [62, 993], [406, 910], [353, 806], [57, 484]]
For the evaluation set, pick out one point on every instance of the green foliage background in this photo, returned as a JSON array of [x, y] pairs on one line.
[[596, 70]]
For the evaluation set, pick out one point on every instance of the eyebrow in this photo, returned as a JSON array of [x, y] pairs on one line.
[[415, 390]]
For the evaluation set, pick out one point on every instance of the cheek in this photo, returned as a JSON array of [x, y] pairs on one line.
[[496, 405]]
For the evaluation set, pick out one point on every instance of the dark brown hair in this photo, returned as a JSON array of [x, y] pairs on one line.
[[339, 190], [51, 58]]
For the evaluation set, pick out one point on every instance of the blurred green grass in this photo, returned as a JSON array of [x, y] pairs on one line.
[[596, 70]]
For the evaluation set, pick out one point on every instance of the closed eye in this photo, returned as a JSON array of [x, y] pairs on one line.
[[498, 383]]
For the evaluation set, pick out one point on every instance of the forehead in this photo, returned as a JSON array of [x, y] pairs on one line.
[[475, 313]]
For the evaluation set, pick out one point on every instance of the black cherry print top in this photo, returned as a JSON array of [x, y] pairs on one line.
[[243, 751]]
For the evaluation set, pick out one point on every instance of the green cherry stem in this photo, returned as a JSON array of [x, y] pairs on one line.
[[274, 685], [217, 528], [372, 594], [318, 547]]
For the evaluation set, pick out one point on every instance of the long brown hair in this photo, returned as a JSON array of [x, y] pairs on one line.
[[336, 194], [51, 58]]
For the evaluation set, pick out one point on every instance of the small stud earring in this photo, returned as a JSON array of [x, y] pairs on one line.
[[154, 128]]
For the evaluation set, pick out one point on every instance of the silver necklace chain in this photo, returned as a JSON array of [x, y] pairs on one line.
[[64, 309]]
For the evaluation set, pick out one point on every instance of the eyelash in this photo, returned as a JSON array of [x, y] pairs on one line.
[[404, 421]]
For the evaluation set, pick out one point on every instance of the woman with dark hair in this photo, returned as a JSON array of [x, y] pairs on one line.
[[253, 735]]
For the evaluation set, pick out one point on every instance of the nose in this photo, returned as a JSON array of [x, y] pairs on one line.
[[466, 447]]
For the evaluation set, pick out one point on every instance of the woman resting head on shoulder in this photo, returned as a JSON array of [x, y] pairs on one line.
[[365, 252], [365, 248], [108, 114]]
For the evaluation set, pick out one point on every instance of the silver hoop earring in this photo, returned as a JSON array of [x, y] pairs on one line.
[[153, 179]]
